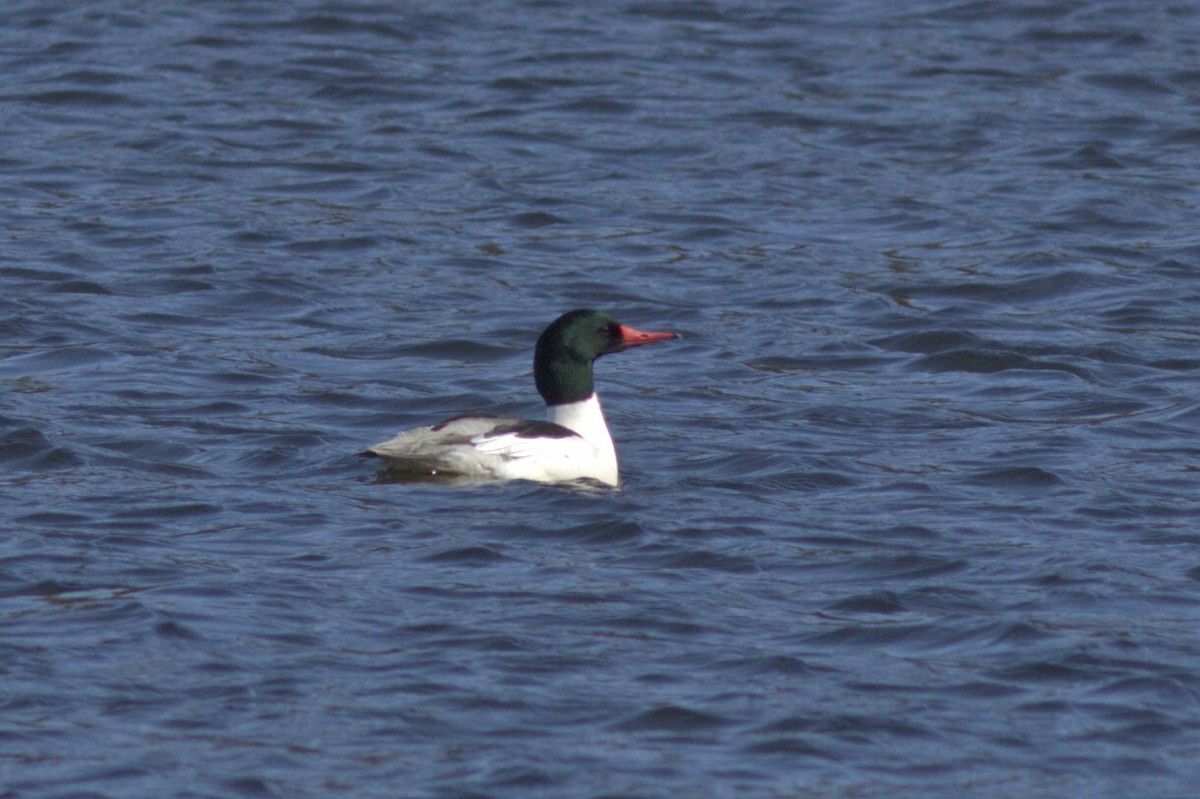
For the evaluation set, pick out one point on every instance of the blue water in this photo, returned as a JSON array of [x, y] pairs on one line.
[[912, 509]]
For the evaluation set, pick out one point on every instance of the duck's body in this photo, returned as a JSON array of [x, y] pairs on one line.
[[572, 444], [508, 448]]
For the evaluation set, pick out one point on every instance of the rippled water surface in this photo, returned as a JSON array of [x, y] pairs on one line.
[[913, 509]]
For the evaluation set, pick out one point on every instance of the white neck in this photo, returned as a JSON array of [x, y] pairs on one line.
[[587, 419]]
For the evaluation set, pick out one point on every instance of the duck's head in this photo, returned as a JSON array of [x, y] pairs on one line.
[[562, 362]]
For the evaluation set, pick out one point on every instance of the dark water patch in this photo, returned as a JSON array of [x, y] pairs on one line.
[[691, 559], [853, 728], [767, 665], [537, 219], [28, 273], [54, 519], [241, 378], [29, 448], [1127, 82], [77, 98], [781, 119], [1068, 408], [678, 12], [739, 468], [153, 450], [702, 234], [928, 342], [1140, 734], [1022, 634], [909, 532], [59, 358], [723, 528], [282, 450], [1138, 314], [597, 531], [796, 480], [466, 350], [1171, 687], [55, 589], [1188, 137], [979, 361], [1033, 289], [468, 556], [335, 245], [652, 625], [79, 287], [212, 42], [535, 84], [847, 417], [673, 719], [789, 746], [1015, 477], [158, 319], [883, 602], [1090, 157], [177, 631], [534, 140], [783, 364], [907, 567], [328, 188], [595, 105], [172, 511], [94, 77], [1177, 364], [250, 786], [986, 691], [678, 219], [906, 637], [254, 304], [256, 238], [1044, 672], [342, 25]]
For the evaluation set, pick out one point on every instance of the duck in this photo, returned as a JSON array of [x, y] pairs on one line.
[[572, 444]]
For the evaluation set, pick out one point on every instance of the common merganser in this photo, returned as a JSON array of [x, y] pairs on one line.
[[574, 442]]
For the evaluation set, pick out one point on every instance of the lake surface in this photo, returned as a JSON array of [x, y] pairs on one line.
[[912, 509]]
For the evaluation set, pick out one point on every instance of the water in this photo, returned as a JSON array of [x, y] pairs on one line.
[[911, 510]]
